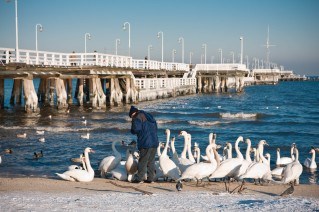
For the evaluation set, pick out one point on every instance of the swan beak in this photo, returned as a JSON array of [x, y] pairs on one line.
[[266, 143], [92, 151]]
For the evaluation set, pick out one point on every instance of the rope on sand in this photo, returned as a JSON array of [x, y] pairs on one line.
[[132, 187]]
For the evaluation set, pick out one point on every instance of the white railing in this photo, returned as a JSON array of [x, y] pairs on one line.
[[266, 71], [221, 67], [7, 55], [161, 83]]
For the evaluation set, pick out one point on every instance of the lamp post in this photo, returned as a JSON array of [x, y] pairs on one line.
[[241, 48], [117, 42], [173, 55], [205, 47], [129, 36], [17, 34], [149, 47], [221, 55], [181, 40], [86, 35], [247, 61], [190, 57], [233, 54], [158, 36], [40, 28]]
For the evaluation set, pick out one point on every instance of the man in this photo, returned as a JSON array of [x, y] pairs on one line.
[[145, 127]]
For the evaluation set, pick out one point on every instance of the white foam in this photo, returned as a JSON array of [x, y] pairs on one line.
[[240, 115], [204, 123]]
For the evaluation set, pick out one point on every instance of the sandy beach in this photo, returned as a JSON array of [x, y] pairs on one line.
[[42, 194]]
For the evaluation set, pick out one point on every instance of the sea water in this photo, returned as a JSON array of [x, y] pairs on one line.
[[280, 114]]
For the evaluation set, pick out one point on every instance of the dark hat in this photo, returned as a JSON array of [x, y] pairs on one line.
[[132, 110]]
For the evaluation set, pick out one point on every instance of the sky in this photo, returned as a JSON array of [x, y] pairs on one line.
[[293, 28]]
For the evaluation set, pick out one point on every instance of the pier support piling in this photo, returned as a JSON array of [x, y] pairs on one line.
[[1, 93], [30, 96]]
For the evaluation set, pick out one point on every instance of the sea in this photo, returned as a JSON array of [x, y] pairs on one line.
[[281, 114]]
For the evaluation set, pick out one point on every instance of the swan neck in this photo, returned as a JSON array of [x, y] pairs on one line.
[[239, 155], [313, 158], [114, 149], [189, 151], [87, 162], [183, 154], [166, 145], [248, 158]]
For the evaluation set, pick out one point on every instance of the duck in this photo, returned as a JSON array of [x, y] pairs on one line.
[[292, 171], [168, 167], [84, 122], [23, 135], [8, 151], [109, 163], [80, 175], [310, 163], [38, 155]]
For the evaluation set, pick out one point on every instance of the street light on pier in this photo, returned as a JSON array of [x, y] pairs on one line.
[[221, 55], [129, 36], [117, 42], [40, 28], [173, 55], [181, 40], [86, 35], [205, 47], [149, 48], [17, 33], [233, 54], [241, 49], [158, 36], [190, 57], [247, 63]]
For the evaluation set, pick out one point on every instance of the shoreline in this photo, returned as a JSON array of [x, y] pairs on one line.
[[10, 184], [38, 194]]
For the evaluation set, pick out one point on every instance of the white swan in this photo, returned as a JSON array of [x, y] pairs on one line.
[[23, 135], [201, 170], [259, 170], [311, 163], [185, 135], [229, 167], [119, 172], [86, 136], [282, 161], [78, 174], [183, 162], [158, 170], [109, 163], [293, 170], [40, 132], [246, 162], [131, 162], [210, 140], [168, 167]]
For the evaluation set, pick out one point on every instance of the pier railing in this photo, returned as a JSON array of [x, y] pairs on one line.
[[31, 57], [162, 83], [221, 67]]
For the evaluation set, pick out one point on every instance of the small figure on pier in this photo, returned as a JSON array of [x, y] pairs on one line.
[[73, 59]]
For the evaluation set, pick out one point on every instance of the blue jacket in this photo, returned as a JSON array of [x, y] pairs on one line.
[[145, 127]]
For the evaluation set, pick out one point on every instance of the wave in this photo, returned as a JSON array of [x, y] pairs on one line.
[[240, 115], [205, 123]]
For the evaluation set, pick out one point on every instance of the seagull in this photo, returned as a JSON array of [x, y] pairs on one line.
[[42, 139], [84, 122]]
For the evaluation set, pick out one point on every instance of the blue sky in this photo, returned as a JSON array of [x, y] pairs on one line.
[[294, 28]]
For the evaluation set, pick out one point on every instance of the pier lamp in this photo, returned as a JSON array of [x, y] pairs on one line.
[[149, 48], [233, 54], [38, 27], [247, 62], [173, 54], [221, 55], [190, 57], [158, 36], [86, 35], [117, 42], [17, 34], [241, 48], [129, 36], [181, 40], [204, 46]]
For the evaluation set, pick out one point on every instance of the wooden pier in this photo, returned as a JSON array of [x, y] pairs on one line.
[[107, 80]]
